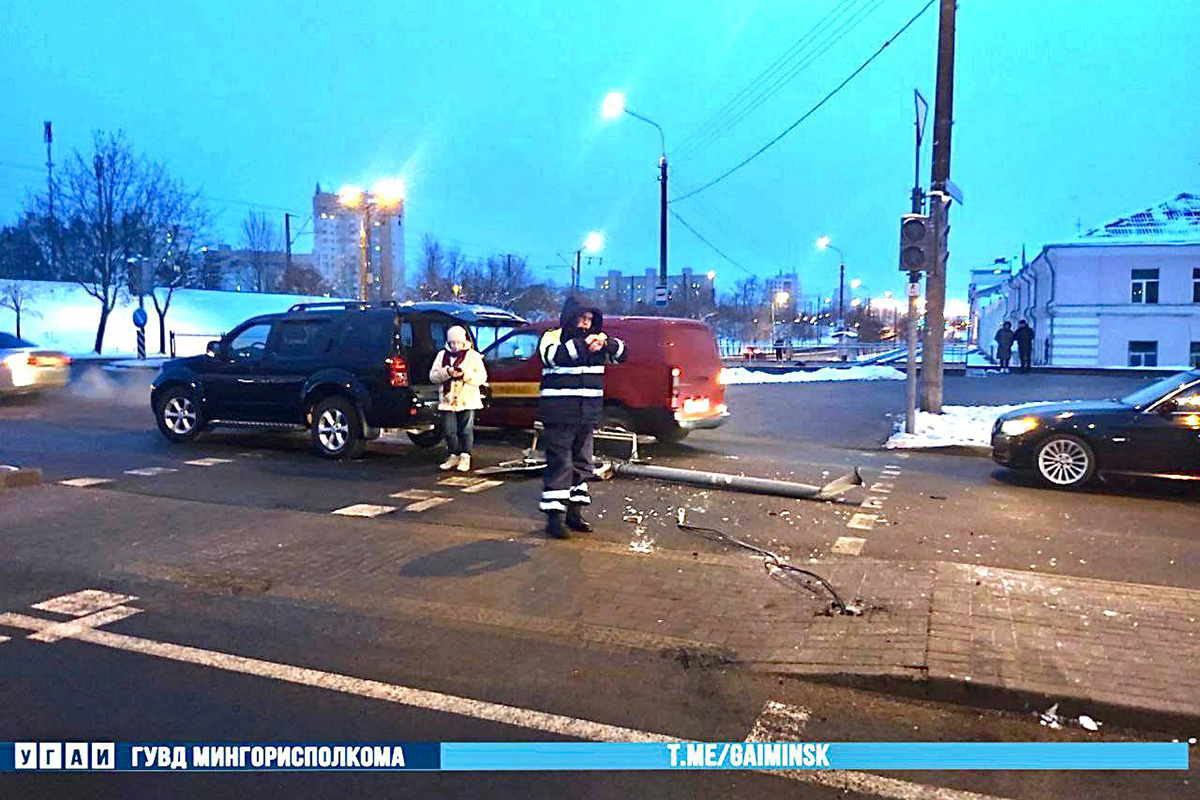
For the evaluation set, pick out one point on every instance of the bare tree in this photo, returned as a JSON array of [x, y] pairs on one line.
[[18, 297], [261, 240], [181, 221], [431, 282], [105, 204]]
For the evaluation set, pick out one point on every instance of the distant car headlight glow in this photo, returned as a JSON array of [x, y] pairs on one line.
[[1016, 427], [22, 371]]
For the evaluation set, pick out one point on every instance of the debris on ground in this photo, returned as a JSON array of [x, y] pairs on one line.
[[1050, 717], [1089, 724]]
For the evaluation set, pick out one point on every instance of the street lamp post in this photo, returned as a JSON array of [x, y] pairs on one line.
[[614, 106], [594, 242], [385, 195], [822, 244]]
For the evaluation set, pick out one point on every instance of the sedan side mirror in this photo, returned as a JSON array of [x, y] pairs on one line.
[[213, 349]]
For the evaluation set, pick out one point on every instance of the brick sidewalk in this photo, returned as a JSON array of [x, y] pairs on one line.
[[974, 634]]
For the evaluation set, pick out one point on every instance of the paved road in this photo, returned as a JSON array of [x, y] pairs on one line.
[[936, 508]]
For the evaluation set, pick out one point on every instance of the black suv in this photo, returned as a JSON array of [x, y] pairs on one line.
[[345, 371]]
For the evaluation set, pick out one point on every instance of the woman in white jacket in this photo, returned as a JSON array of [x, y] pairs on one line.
[[459, 371]]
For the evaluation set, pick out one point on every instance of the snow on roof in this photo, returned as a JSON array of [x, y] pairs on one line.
[[1173, 222]]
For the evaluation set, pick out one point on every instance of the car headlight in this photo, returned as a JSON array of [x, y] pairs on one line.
[[1016, 427]]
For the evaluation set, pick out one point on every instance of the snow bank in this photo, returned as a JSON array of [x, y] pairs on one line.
[[64, 317], [956, 426], [734, 376]]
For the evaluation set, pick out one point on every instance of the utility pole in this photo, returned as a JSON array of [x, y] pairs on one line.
[[913, 290], [935, 282], [287, 238], [364, 269], [662, 222], [48, 135], [575, 273]]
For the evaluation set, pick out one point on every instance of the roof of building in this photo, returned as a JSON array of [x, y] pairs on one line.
[[1176, 221]]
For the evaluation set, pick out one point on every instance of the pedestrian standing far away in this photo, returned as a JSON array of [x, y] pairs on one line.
[[1004, 344], [571, 403], [459, 372], [1024, 339]]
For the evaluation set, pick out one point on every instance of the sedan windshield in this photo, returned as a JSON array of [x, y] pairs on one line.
[[1148, 394]]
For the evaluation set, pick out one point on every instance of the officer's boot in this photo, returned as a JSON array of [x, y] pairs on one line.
[[555, 527], [575, 520]]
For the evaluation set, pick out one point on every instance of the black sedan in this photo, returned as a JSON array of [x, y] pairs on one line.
[[1155, 431]]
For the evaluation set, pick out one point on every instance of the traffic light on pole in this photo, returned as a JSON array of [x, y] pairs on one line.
[[916, 243]]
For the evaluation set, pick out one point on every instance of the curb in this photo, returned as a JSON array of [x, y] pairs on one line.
[[974, 450], [991, 697], [19, 478]]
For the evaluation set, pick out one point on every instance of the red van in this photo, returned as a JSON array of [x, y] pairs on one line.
[[669, 385]]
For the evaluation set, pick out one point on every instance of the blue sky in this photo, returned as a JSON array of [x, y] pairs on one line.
[[1065, 113]]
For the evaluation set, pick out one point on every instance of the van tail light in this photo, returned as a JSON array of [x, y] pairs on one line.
[[397, 370], [675, 373]]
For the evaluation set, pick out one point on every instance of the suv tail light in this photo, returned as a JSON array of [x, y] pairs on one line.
[[675, 373], [397, 370]]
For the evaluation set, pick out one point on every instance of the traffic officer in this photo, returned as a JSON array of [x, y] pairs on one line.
[[571, 403]]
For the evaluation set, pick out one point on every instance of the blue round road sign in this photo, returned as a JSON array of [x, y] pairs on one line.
[[139, 317]]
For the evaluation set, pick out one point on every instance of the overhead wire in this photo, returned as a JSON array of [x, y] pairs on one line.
[[812, 110], [777, 83]]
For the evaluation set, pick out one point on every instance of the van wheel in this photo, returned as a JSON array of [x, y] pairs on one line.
[[617, 418], [672, 435], [425, 439], [337, 429], [178, 415]]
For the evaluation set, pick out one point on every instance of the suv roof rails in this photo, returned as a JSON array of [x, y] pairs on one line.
[[344, 304]]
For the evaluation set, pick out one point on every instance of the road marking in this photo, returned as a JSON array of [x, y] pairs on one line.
[[416, 494], [150, 472], [482, 486], [529, 719], [460, 481], [862, 522], [82, 483], [251, 455], [4, 639], [882, 487], [872, 502], [848, 545], [81, 603], [779, 722], [364, 510], [425, 505], [208, 462], [63, 630]]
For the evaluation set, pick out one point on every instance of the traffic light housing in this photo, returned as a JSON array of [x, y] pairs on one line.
[[916, 243]]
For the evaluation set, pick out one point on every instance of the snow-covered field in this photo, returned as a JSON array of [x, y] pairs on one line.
[[64, 317], [956, 426], [733, 376]]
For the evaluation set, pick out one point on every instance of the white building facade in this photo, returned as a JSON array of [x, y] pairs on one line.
[[1126, 294]]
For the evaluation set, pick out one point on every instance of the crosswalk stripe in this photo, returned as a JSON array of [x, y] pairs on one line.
[[82, 603], [425, 505], [364, 510], [208, 462], [150, 472], [83, 483], [862, 522], [482, 486], [416, 494]]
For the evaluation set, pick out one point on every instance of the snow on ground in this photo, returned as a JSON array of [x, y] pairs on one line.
[[64, 317], [733, 376], [956, 426]]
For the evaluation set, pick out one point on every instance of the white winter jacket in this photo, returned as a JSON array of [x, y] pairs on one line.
[[462, 394]]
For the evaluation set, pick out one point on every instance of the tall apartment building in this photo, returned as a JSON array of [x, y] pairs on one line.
[[632, 293], [337, 247]]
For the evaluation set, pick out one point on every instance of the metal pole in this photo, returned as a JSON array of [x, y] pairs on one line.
[[842, 296], [576, 273], [287, 238], [932, 354], [662, 222], [910, 406], [363, 265]]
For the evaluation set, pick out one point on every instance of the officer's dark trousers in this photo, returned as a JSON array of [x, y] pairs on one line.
[[568, 466]]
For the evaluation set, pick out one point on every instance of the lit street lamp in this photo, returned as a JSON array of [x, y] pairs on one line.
[[613, 107], [592, 243], [386, 195], [822, 244]]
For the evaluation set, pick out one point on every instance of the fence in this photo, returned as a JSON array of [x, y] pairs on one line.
[[195, 347], [893, 353]]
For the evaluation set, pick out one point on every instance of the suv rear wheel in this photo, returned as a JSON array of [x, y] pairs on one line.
[[425, 439], [337, 429], [178, 414]]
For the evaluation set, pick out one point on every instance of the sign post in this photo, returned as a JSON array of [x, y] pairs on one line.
[[661, 296]]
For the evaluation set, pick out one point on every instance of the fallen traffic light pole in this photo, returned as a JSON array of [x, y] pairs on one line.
[[739, 483]]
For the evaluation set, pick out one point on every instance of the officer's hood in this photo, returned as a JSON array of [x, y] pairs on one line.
[[572, 311]]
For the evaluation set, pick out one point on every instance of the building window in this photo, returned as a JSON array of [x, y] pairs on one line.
[[1196, 285], [1144, 286], [1195, 358], [1143, 354]]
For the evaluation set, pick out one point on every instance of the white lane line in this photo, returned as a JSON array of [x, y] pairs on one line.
[[848, 545], [83, 483], [252, 455], [208, 462], [862, 522], [4, 639], [62, 630], [363, 510], [460, 481], [482, 486], [416, 494], [425, 505], [529, 719], [779, 722], [81, 603], [150, 472]]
